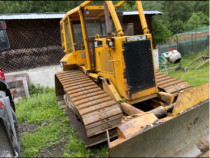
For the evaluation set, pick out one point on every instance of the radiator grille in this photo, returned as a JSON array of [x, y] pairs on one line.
[[139, 65]]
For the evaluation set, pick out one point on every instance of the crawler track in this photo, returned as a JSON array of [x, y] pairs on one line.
[[96, 110], [169, 84]]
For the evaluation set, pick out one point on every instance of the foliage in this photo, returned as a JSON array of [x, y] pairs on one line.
[[160, 32], [128, 7], [36, 6], [197, 20], [177, 26], [37, 89], [153, 5], [177, 14]]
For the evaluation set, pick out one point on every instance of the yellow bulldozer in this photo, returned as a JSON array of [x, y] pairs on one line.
[[114, 94]]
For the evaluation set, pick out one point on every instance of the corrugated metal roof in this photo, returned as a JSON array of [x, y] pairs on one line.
[[56, 15], [155, 12], [31, 16]]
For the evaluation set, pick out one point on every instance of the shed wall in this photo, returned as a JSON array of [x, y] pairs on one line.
[[34, 43]]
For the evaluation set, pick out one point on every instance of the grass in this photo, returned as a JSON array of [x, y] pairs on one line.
[[193, 77], [41, 109]]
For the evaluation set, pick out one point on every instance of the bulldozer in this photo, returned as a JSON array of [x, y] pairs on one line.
[[112, 92]]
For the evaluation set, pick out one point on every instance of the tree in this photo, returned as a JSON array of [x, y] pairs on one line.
[[153, 5], [177, 26], [161, 33], [197, 20], [36, 6], [174, 10], [194, 21], [204, 19]]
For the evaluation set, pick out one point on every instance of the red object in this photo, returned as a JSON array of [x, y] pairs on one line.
[[172, 49], [1, 105], [2, 75], [3, 25]]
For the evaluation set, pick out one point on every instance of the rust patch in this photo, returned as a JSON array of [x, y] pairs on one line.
[[191, 124], [203, 144], [191, 98]]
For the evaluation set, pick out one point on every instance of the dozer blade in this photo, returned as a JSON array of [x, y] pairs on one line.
[[186, 133]]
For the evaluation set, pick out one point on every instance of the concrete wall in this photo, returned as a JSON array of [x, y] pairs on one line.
[[43, 76]]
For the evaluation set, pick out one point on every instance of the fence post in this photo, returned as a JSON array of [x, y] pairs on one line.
[[177, 44], [192, 42], [158, 48], [195, 42], [207, 39]]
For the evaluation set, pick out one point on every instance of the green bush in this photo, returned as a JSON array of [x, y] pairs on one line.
[[37, 89]]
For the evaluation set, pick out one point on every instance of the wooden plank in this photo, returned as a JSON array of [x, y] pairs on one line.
[[202, 64]]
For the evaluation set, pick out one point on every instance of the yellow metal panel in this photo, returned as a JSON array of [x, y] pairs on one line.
[[72, 39], [106, 64], [69, 44], [98, 58], [69, 59], [64, 35], [191, 98], [149, 36], [69, 13], [86, 3], [129, 109], [111, 90], [74, 58], [121, 79], [143, 96], [118, 77], [94, 7], [85, 41], [94, 76], [76, 9], [81, 57]]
